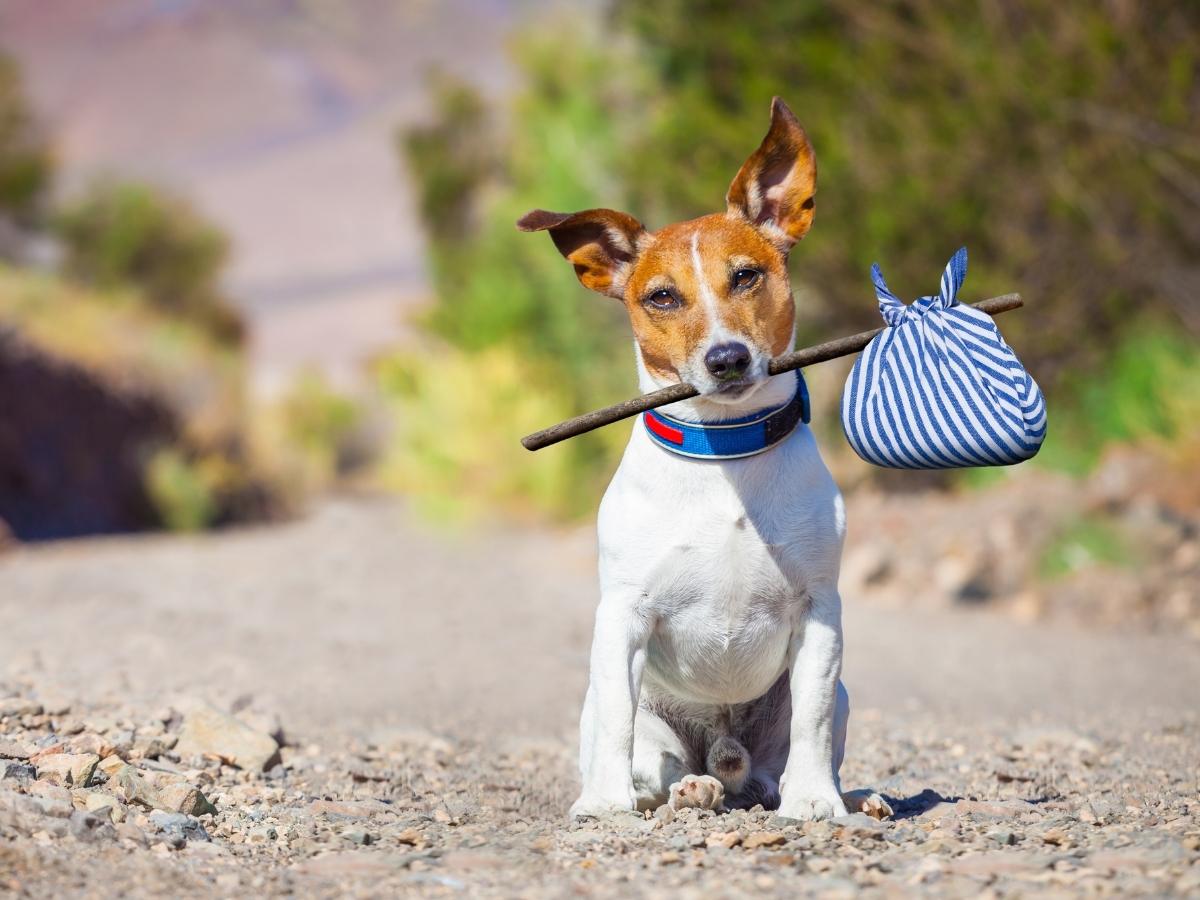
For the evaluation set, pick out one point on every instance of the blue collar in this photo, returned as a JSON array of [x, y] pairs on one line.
[[733, 438]]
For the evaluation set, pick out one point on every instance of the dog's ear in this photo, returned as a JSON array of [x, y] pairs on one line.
[[774, 188], [602, 244]]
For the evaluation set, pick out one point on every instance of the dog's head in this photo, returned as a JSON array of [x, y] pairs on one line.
[[709, 299]]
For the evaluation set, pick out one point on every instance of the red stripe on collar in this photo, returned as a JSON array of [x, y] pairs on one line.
[[662, 429]]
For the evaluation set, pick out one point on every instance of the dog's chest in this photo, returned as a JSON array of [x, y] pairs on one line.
[[724, 610], [720, 556]]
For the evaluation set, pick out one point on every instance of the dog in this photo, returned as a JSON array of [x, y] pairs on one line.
[[717, 651]]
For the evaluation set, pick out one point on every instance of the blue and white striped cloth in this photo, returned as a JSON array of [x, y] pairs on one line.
[[939, 388]]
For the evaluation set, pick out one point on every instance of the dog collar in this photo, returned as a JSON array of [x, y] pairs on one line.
[[733, 438]]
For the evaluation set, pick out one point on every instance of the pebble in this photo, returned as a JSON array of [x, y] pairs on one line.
[[726, 839], [67, 768], [209, 732], [87, 827], [178, 828], [757, 839]]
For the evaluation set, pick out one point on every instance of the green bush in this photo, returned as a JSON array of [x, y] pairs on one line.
[[1147, 393], [180, 491], [314, 431], [25, 165], [518, 337], [134, 235], [459, 415], [1084, 543]]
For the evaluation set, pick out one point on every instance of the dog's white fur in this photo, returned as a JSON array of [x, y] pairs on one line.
[[719, 625]]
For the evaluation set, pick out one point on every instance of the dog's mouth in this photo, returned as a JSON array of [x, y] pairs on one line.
[[735, 389]]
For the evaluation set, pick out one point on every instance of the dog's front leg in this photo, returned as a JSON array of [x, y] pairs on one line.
[[615, 683], [809, 786]]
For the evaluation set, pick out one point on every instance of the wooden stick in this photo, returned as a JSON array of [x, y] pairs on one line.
[[676, 392]]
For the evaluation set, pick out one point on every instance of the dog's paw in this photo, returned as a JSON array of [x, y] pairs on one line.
[[594, 806], [697, 792], [811, 808], [869, 802]]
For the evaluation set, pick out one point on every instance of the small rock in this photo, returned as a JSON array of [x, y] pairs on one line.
[[18, 772], [670, 858], [267, 723], [153, 747], [109, 765], [349, 809], [178, 828], [47, 751], [133, 788], [209, 732], [87, 827], [54, 799], [410, 836], [10, 749], [665, 814], [11, 707], [354, 836], [757, 839], [1000, 809], [262, 834], [106, 804], [183, 798], [131, 832], [726, 839], [1056, 837], [859, 825], [91, 743], [68, 768], [1003, 837]]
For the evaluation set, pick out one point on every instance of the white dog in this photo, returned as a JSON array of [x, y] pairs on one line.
[[717, 653]]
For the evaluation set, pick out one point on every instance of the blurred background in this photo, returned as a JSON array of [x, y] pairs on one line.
[[254, 256]]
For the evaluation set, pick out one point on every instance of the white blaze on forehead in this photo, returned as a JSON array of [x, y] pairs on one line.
[[707, 296]]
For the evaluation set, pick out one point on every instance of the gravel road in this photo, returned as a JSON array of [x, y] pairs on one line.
[[425, 687]]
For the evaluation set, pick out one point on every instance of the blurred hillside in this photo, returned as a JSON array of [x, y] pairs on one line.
[[274, 119], [123, 390]]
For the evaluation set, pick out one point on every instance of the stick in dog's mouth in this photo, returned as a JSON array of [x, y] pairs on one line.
[[797, 359]]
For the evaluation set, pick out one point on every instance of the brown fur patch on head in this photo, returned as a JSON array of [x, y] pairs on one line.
[[696, 261]]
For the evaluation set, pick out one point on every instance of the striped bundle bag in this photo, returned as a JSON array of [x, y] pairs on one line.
[[939, 388]]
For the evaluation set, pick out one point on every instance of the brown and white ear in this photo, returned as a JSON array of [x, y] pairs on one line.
[[774, 188], [602, 244]]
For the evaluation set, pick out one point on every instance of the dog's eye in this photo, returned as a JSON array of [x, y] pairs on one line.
[[661, 299], [744, 278]]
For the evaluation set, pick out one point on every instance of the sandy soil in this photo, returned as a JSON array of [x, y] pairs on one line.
[[427, 686]]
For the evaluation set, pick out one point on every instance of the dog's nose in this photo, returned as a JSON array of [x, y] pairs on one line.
[[727, 361]]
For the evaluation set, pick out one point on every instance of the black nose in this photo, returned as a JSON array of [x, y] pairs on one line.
[[728, 361]]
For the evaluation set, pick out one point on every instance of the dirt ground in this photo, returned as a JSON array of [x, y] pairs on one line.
[[426, 686]]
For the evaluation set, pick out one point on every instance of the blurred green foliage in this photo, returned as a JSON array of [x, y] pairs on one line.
[[180, 492], [1058, 140], [136, 235], [26, 168], [314, 431], [508, 306], [1084, 543], [1147, 392]]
